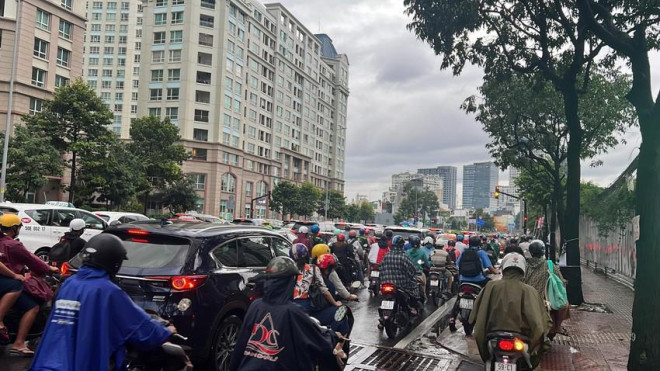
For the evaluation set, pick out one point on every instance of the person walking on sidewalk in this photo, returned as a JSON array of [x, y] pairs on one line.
[[537, 276], [510, 305]]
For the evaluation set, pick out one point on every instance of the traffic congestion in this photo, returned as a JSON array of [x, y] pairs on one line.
[[197, 291]]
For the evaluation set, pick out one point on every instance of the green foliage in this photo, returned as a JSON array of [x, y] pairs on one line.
[[336, 204], [415, 201], [308, 199], [612, 210], [76, 122], [456, 223], [489, 223], [367, 213], [30, 158], [284, 198], [352, 213], [180, 195]]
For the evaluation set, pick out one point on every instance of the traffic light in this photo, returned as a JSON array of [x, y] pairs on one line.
[[496, 194]]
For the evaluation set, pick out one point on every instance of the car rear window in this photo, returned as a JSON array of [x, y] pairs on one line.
[[405, 234], [301, 224], [155, 251]]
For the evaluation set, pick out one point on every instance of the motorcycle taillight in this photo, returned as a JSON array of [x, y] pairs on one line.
[[387, 288], [508, 345]]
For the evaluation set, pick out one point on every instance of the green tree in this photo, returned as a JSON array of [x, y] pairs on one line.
[[308, 199], [180, 195], [30, 158], [456, 223], [367, 213], [336, 204], [352, 213], [416, 201], [631, 29], [526, 37], [76, 122], [154, 145], [284, 198]]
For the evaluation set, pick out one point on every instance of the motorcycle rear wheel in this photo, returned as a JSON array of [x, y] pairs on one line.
[[391, 329], [435, 298]]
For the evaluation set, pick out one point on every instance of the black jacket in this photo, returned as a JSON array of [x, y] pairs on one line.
[[277, 335]]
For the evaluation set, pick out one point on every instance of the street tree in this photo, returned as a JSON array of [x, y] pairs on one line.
[[524, 117], [308, 199], [352, 213], [336, 204], [76, 121], [367, 213], [179, 196], [526, 37], [535, 186], [632, 30], [283, 198], [154, 143], [31, 157], [456, 223], [417, 202]]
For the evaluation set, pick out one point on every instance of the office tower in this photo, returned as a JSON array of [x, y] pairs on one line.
[[479, 181], [448, 174]]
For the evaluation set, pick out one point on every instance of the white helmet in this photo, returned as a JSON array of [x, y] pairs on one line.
[[514, 260], [440, 242], [77, 224], [303, 229], [428, 240]]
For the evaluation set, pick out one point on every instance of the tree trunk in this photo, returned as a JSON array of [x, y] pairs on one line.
[[72, 182], [572, 270], [558, 196], [553, 227]]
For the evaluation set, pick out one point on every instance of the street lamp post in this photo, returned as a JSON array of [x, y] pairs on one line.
[[10, 103]]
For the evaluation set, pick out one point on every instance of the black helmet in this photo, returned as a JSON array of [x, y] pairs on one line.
[[415, 241], [279, 267], [475, 241], [105, 251], [389, 233], [537, 248]]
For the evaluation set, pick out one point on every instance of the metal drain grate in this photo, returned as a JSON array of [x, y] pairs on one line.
[[597, 338], [390, 360]]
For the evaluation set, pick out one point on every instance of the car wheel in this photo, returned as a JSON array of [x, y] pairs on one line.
[[43, 255], [224, 342]]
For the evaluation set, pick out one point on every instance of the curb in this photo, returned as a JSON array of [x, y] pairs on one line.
[[426, 325]]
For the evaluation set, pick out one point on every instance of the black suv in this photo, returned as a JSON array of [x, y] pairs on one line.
[[195, 275]]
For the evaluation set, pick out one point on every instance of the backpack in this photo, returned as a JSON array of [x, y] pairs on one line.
[[470, 263], [556, 291], [61, 251]]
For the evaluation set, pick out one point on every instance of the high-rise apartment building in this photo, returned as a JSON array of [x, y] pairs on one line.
[[479, 181], [48, 53], [448, 174], [258, 98]]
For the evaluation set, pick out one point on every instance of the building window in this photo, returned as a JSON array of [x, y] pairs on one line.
[[205, 39], [201, 135], [228, 183], [248, 189], [67, 4], [175, 55], [156, 75], [199, 181], [159, 37], [172, 113], [154, 111], [203, 77], [65, 29], [156, 94], [38, 77], [97, 5], [206, 20], [209, 4], [35, 105], [178, 2], [43, 20], [176, 36], [204, 58], [158, 56], [202, 96], [161, 2], [201, 115], [64, 57], [199, 154], [40, 48], [160, 19], [61, 81], [262, 188], [177, 17], [106, 84], [108, 61], [172, 93], [173, 74]]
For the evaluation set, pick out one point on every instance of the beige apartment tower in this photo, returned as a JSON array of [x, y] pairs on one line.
[[258, 98]]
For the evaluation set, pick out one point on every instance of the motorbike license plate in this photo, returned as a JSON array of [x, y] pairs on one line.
[[387, 304], [500, 366], [466, 303], [435, 283], [375, 274]]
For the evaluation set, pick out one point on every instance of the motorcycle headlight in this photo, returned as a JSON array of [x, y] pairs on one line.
[[184, 304]]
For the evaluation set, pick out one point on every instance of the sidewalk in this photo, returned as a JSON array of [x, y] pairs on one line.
[[598, 340]]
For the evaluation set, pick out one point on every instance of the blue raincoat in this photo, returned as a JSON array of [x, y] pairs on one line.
[[91, 320]]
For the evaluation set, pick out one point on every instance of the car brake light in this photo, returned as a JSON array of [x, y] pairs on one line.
[[139, 232], [387, 288], [505, 345], [64, 269], [139, 240], [187, 282]]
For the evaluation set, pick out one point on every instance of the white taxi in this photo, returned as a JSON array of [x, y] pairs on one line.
[[44, 225]]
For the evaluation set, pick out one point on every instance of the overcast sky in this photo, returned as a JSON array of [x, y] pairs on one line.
[[403, 111]]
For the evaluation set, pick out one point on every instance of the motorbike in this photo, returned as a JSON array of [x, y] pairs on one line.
[[437, 284], [508, 351], [168, 357], [467, 294], [13, 317], [374, 279], [395, 310], [325, 363]]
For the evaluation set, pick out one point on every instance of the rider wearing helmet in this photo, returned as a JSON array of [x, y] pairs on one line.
[[537, 277], [81, 309], [428, 246], [303, 238], [525, 311], [327, 263], [345, 253], [397, 268], [292, 340], [15, 257], [315, 235], [418, 257], [319, 250], [390, 235], [70, 244], [460, 246], [310, 274]]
